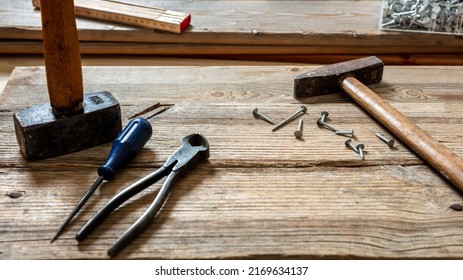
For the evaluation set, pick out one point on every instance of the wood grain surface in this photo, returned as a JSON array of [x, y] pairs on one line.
[[298, 31], [428, 148], [262, 194]]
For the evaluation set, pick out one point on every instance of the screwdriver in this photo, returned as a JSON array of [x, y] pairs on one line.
[[126, 146]]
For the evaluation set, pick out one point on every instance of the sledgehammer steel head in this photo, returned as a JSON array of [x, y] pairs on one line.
[[326, 79], [42, 134]]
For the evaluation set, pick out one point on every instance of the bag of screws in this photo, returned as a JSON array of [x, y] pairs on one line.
[[433, 16]]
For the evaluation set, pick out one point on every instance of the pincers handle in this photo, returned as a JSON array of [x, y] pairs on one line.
[[126, 146]]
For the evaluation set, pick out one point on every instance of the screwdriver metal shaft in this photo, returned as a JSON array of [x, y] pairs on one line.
[[79, 205], [126, 146]]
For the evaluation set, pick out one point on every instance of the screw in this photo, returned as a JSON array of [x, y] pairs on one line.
[[298, 131], [290, 118], [350, 145], [360, 148], [389, 142], [348, 133], [258, 115]]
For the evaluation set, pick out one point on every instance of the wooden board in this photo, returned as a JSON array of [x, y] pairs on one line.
[[262, 194], [9, 62], [282, 30]]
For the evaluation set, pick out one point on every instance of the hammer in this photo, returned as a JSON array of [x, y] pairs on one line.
[[71, 121], [352, 76]]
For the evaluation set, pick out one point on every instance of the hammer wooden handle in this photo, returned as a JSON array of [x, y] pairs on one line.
[[62, 56], [436, 154]]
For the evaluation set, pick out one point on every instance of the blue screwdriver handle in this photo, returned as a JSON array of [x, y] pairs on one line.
[[126, 146]]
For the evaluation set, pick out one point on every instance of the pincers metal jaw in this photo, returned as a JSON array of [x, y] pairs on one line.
[[194, 148]]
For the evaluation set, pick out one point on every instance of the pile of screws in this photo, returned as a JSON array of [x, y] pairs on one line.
[[423, 15]]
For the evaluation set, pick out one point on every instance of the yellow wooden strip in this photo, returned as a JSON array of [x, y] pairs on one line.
[[143, 16]]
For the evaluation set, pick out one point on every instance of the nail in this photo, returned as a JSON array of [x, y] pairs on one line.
[[320, 122], [350, 145], [324, 115], [298, 131], [360, 149], [290, 118], [348, 133], [258, 115], [389, 142]]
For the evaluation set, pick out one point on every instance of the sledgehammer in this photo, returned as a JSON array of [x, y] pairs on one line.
[[71, 121], [352, 76]]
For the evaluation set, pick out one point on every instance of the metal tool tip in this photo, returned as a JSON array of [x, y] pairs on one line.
[[55, 237], [60, 230]]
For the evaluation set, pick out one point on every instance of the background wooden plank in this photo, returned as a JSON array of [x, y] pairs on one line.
[[262, 194], [218, 21], [295, 31], [9, 62]]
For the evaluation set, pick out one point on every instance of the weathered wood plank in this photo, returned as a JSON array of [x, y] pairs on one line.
[[249, 87], [261, 194], [318, 54], [220, 21], [234, 28], [9, 62], [92, 47], [214, 212], [266, 83]]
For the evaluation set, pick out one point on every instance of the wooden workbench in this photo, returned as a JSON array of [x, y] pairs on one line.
[[297, 31], [262, 194]]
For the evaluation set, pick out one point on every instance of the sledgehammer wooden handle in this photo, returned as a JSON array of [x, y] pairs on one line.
[[436, 154], [62, 56]]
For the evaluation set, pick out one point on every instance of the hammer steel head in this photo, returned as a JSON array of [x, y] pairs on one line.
[[41, 134], [326, 79]]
